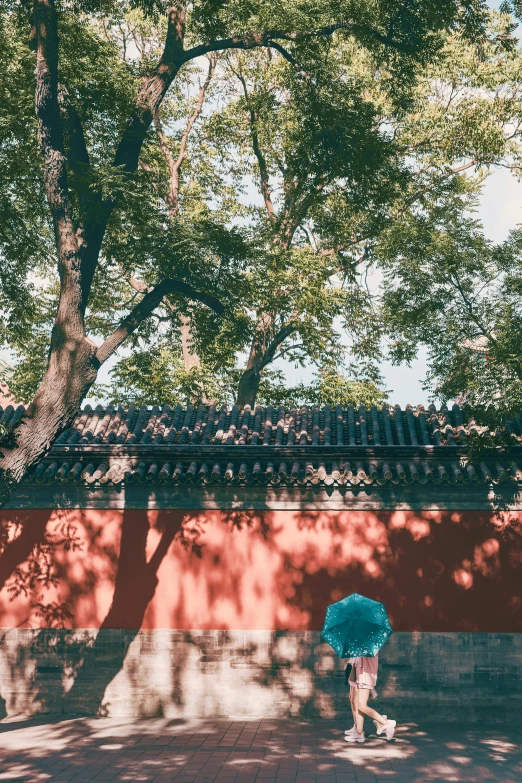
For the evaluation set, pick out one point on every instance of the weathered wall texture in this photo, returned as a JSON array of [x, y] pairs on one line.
[[247, 674], [218, 613]]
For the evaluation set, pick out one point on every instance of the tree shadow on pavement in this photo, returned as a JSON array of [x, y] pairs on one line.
[[263, 750]]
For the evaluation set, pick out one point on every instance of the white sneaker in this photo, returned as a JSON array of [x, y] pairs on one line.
[[390, 729], [355, 737], [353, 730], [380, 727]]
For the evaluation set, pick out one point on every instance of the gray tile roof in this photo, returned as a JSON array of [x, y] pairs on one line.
[[271, 445]]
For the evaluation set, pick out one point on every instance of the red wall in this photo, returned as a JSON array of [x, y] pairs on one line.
[[435, 571]]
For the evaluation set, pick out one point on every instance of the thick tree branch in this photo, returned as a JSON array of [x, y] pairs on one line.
[[148, 304], [150, 96], [50, 132], [69, 324], [79, 162], [78, 156], [190, 357], [273, 345], [267, 37], [153, 91], [286, 54]]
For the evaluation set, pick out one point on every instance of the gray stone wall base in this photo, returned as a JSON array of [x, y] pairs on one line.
[[253, 674]]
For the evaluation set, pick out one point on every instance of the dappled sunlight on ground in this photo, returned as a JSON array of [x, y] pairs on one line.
[[263, 751]]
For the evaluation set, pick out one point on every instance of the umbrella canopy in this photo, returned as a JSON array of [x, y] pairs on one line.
[[355, 626]]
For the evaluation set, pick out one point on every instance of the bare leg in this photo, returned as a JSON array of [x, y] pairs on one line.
[[353, 695], [363, 709]]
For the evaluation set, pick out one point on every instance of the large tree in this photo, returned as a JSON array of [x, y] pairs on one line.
[[89, 164], [319, 196]]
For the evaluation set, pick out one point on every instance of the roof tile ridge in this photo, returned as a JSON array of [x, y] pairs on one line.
[[410, 420], [232, 428], [197, 430], [303, 425], [363, 426], [269, 423], [125, 424], [177, 418], [145, 435], [135, 435], [350, 414], [103, 423], [327, 425], [185, 427], [316, 426], [376, 433], [399, 425], [245, 424], [79, 425], [221, 424], [209, 424], [162, 422], [292, 423], [339, 425], [256, 427], [387, 422], [280, 427]]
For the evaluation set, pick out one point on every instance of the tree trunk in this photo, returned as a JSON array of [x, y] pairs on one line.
[[248, 387], [72, 366], [71, 371], [262, 351], [136, 581]]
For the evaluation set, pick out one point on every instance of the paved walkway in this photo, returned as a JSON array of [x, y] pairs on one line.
[[267, 751]]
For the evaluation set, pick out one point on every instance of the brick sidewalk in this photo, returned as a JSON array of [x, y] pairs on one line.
[[267, 751]]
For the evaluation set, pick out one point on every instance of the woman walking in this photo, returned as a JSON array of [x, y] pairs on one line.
[[362, 680]]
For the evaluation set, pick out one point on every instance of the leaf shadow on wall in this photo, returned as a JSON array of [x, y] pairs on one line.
[[21, 535], [434, 570], [92, 660]]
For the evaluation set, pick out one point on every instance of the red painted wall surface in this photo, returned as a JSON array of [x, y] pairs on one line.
[[435, 571]]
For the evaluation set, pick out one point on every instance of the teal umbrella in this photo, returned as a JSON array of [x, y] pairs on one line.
[[355, 626]]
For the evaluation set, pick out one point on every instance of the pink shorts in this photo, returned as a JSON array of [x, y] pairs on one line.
[[359, 685]]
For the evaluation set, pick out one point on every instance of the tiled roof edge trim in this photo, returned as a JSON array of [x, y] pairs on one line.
[[235, 451]]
